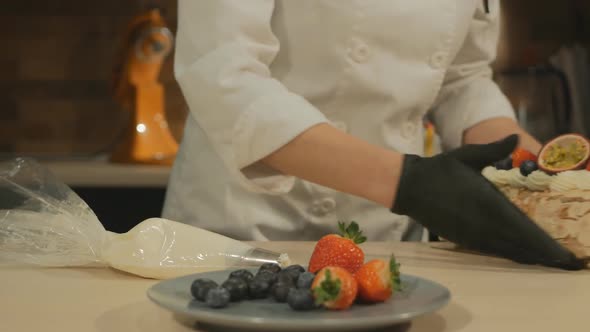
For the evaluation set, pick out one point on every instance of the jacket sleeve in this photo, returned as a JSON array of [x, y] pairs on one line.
[[469, 95], [223, 52]]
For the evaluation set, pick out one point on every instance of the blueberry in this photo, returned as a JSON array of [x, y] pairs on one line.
[[301, 299], [200, 288], [237, 288], [305, 280], [258, 288], [272, 267], [505, 164], [527, 167], [280, 290], [244, 274], [268, 276], [218, 297], [295, 267], [288, 276], [293, 270]]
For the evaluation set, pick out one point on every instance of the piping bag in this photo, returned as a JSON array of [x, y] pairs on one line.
[[44, 223]]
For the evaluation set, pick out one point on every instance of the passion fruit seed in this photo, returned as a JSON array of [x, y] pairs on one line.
[[564, 153]]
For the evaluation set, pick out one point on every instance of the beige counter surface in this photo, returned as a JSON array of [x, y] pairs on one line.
[[488, 294], [101, 173]]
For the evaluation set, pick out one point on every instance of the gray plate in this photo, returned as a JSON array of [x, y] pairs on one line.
[[419, 297]]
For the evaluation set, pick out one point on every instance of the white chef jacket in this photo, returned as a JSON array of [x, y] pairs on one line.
[[257, 73]]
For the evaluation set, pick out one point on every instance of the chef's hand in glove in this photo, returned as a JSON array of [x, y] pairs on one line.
[[448, 195]]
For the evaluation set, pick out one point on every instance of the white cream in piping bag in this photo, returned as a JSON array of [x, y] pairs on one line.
[[161, 249], [539, 180]]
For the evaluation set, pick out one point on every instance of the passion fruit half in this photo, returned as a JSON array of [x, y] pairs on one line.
[[564, 153]]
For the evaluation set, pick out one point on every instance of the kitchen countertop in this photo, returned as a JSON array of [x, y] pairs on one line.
[[488, 294], [101, 173]]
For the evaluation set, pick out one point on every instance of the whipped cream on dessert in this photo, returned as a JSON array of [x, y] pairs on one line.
[[539, 180]]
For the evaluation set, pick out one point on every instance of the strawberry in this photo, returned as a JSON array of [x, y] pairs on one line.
[[339, 250], [520, 155], [334, 287], [378, 279]]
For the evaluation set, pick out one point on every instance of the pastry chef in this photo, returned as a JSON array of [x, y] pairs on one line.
[[304, 113]]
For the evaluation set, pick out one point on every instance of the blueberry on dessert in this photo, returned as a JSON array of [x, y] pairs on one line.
[[527, 167]]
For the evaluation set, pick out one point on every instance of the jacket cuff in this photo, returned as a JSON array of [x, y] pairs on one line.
[[471, 104], [268, 124]]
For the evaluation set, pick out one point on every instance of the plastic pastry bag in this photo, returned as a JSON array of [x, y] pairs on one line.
[[44, 223]]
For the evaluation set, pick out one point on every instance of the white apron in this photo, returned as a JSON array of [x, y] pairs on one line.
[[257, 73]]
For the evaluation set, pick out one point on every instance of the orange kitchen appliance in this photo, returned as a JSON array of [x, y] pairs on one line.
[[146, 44]]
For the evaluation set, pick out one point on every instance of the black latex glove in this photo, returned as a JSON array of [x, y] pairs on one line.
[[448, 195]]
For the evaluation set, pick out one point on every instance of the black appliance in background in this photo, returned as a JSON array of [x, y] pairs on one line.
[[542, 99]]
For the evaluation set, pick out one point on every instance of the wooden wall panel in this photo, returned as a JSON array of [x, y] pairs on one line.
[[56, 65]]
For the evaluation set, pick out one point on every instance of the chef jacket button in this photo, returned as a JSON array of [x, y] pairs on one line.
[[437, 60], [317, 209], [408, 130], [358, 51], [328, 205]]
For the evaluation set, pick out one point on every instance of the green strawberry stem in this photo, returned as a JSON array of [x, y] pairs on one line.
[[352, 232], [328, 290], [395, 275]]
